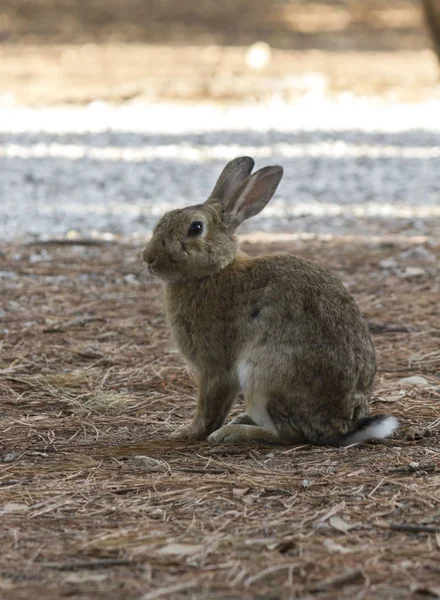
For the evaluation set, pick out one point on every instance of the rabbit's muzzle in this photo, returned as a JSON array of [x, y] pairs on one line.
[[147, 256], [160, 263], [149, 259]]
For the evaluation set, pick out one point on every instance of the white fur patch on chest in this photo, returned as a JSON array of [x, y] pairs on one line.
[[256, 400], [244, 372]]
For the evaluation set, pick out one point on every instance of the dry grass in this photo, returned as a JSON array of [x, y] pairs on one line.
[[88, 381]]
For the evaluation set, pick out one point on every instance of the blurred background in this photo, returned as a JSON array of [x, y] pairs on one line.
[[111, 112], [74, 51]]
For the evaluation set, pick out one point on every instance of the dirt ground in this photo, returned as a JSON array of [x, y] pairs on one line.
[[68, 52], [77, 75], [289, 24], [89, 380]]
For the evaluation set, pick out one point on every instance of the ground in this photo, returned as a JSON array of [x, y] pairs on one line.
[[96, 500], [68, 52], [90, 381]]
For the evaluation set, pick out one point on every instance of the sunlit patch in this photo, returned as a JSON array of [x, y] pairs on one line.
[[185, 152]]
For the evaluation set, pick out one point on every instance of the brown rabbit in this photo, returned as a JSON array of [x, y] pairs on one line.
[[281, 330]]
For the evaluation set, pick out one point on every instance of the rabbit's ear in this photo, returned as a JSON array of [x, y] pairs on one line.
[[232, 176], [252, 196]]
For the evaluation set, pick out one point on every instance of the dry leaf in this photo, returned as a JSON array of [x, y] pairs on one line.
[[180, 549], [412, 272], [339, 524], [414, 380], [148, 464], [249, 499], [11, 507], [271, 543], [333, 546], [239, 492], [392, 398]]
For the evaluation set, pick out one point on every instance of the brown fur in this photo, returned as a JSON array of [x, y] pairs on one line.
[[283, 328]]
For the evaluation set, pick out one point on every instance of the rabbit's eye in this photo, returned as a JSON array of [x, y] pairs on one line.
[[195, 229]]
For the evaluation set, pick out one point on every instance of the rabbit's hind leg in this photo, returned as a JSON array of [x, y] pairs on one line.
[[244, 429], [236, 434]]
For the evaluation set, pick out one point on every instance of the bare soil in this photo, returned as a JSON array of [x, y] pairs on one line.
[[89, 380], [60, 75]]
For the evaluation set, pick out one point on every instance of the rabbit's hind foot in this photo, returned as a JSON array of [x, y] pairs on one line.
[[238, 434]]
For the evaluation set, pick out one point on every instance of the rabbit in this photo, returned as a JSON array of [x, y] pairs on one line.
[[281, 330]]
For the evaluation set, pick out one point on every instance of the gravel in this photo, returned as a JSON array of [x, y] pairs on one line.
[[352, 166]]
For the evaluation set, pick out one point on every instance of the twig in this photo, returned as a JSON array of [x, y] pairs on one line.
[[378, 327], [410, 528], [67, 242], [95, 564], [14, 482], [203, 471], [406, 370], [274, 569], [172, 589], [338, 581]]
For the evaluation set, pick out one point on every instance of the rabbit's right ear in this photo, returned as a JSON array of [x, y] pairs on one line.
[[252, 196], [232, 176]]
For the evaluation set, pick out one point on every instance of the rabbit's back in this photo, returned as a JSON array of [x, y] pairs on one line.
[[281, 305], [287, 296]]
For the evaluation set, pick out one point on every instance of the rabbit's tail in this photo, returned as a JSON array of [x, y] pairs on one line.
[[375, 427]]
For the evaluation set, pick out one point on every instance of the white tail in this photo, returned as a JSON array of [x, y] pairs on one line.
[[376, 427]]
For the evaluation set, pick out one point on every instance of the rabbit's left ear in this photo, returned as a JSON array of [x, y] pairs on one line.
[[232, 176], [252, 196]]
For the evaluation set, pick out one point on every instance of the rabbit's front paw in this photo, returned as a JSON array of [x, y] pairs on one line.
[[189, 432]]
